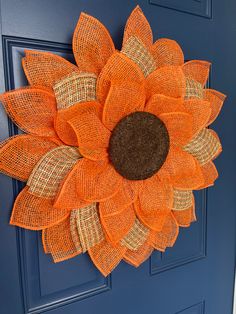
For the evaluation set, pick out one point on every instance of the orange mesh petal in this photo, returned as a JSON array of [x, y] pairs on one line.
[[137, 257], [168, 80], [121, 101], [182, 170], [91, 133], [210, 174], [168, 235], [185, 217], [58, 241], [119, 70], [155, 202], [118, 224], [167, 52], [216, 100], [159, 104], [137, 25], [45, 68], [20, 154], [201, 112], [126, 195], [67, 196], [31, 109], [35, 213], [92, 44], [106, 256], [63, 128], [179, 126], [97, 180], [197, 70]]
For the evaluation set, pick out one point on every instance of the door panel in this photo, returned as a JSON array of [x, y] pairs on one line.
[[193, 277]]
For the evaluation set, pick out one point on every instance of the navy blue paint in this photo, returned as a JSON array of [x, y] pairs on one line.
[[194, 277], [196, 7]]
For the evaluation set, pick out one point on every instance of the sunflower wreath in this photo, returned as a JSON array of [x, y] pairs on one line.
[[114, 145]]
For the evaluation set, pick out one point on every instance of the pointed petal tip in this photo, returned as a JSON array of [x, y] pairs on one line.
[[92, 44], [137, 8], [138, 25]]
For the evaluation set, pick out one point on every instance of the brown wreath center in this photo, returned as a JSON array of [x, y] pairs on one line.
[[139, 145]]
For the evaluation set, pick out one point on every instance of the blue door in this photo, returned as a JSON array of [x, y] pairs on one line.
[[194, 277]]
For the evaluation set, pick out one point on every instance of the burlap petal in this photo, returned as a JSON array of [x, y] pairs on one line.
[[89, 226], [51, 169], [67, 195], [216, 100], [92, 44], [167, 80], [159, 104], [117, 224], [139, 54], [194, 89], [74, 88], [97, 180], [74, 230], [204, 146], [154, 203], [182, 199], [19, 154], [137, 257], [210, 174], [179, 126], [182, 170], [45, 68], [118, 71], [167, 52], [117, 213], [136, 237], [137, 25], [31, 109], [58, 241], [64, 130], [200, 111], [35, 213], [106, 256], [197, 70], [185, 217], [93, 137], [167, 236], [121, 101], [126, 195]]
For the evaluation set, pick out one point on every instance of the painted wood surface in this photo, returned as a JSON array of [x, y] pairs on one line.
[[194, 277]]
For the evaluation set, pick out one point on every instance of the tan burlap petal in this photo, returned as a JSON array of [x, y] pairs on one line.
[[75, 87], [137, 52], [182, 199], [204, 146], [194, 89], [74, 230], [136, 236], [51, 169], [89, 226]]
